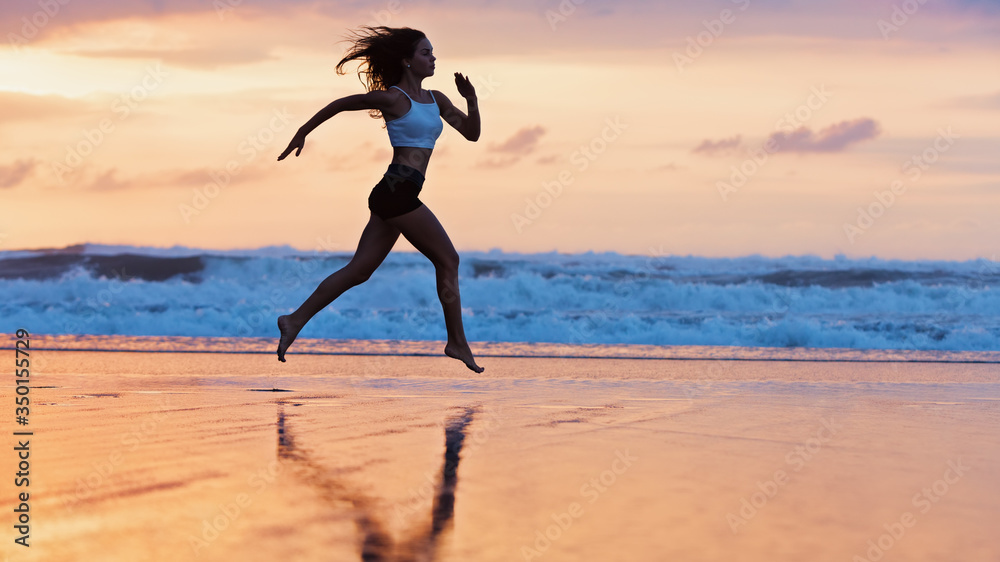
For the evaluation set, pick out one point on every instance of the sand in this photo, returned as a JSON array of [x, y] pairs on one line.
[[192, 456]]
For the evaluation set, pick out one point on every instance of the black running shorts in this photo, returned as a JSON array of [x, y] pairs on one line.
[[397, 193]]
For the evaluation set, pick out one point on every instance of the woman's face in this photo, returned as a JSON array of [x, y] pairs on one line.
[[422, 63]]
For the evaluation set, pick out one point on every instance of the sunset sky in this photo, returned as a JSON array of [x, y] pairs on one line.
[[725, 128]]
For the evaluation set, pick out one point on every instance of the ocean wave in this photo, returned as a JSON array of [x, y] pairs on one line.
[[591, 298]]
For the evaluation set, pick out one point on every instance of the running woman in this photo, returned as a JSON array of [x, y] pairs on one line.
[[393, 65]]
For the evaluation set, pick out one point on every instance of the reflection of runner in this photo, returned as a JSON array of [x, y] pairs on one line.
[[376, 544], [394, 63]]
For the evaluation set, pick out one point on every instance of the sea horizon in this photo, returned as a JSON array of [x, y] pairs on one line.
[[284, 250]]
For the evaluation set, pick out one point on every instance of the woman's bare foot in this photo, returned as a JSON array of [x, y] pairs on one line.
[[463, 354], [288, 331]]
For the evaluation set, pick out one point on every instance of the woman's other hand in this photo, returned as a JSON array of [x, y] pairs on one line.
[[298, 141]]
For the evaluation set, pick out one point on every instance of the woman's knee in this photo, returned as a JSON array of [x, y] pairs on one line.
[[357, 274], [447, 261]]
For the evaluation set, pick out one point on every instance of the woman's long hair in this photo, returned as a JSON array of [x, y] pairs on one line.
[[381, 51]]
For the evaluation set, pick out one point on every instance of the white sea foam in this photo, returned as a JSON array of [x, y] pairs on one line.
[[603, 298]]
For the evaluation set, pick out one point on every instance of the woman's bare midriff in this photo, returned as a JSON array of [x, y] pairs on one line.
[[413, 157]]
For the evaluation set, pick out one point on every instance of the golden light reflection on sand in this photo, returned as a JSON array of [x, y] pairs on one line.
[[170, 456]]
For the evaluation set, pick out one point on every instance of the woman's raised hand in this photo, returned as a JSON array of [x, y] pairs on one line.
[[298, 141], [465, 88]]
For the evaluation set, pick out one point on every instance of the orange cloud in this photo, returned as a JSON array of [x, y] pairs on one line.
[[15, 106], [209, 58]]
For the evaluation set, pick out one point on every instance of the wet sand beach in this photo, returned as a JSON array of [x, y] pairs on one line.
[[210, 456]]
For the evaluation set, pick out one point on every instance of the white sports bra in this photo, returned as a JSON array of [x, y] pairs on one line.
[[419, 127]]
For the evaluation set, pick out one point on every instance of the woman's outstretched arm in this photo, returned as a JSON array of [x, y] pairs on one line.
[[379, 99]]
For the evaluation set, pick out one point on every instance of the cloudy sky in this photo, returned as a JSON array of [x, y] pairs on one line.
[[717, 128]]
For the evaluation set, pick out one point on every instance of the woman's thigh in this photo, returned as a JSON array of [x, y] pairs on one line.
[[376, 242], [422, 229]]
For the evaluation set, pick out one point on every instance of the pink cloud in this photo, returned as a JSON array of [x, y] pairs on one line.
[[107, 181], [714, 148], [14, 174], [834, 138], [522, 142]]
